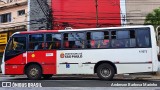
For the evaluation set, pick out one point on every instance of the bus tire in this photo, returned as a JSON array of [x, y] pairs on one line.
[[105, 71], [47, 76], [34, 72]]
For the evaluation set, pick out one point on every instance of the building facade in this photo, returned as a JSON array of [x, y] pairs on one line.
[[13, 18], [22, 15], [40, 15], [137, 10], [88, 13]]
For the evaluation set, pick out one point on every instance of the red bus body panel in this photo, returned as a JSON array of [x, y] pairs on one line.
[[16, 65], [48, 62]]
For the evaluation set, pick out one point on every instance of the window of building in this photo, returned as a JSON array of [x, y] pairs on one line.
[[21, 12], [36, 42], [4, 18], [53, 41]]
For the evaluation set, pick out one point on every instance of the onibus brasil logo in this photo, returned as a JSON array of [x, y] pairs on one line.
[[21, 84]]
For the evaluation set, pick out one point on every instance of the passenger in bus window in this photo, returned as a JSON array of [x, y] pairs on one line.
[[49, 45], [57, 45], [121, 44], [66, 44], [36, 46], [92, 43], [115, 43], [98, 43], [40, 46], [17, 45], [105, 44], [147, 41], [141, 43], [132, 43], [118, 44], [126, 43]]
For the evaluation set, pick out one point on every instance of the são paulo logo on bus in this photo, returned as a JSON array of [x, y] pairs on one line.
[[71, 55]]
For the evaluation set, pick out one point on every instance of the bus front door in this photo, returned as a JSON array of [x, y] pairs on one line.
[[15, 55]]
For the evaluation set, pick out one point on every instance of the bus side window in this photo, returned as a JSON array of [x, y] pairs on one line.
[[113, 34], [97, 38], [53, 41], [66, 42], [113, 37], [65, 36], [106, 40], [36, 41], [132, 39], [143, 38], [88, 36], [132, 34], [88, 40], [106, 35]]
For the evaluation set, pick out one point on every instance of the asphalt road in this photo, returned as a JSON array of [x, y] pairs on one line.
[[81, 81]]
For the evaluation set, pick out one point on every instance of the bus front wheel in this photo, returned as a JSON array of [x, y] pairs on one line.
[[34, 72], [105, 71]]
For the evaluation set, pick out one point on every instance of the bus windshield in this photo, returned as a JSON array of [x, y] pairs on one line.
[[15, 46]]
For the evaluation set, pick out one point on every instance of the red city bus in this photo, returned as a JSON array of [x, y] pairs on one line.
[[105, 51]]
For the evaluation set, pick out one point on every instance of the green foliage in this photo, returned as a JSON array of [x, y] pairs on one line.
[[153, 18]]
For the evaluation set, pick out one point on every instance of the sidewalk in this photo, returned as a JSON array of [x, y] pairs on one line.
[[1, 75], [138, 77]]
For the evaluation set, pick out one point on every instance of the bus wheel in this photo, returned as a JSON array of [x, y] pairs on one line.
[[34, 72], [47, 76], [105, 71]]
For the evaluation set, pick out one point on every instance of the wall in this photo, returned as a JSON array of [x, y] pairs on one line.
[[39, 15], [15, 19], [138, 9], [82, 13]]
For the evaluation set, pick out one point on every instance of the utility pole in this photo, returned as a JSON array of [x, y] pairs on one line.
[[96, 1]]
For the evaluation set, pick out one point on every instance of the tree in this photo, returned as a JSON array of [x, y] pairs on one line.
[[153, 18]]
